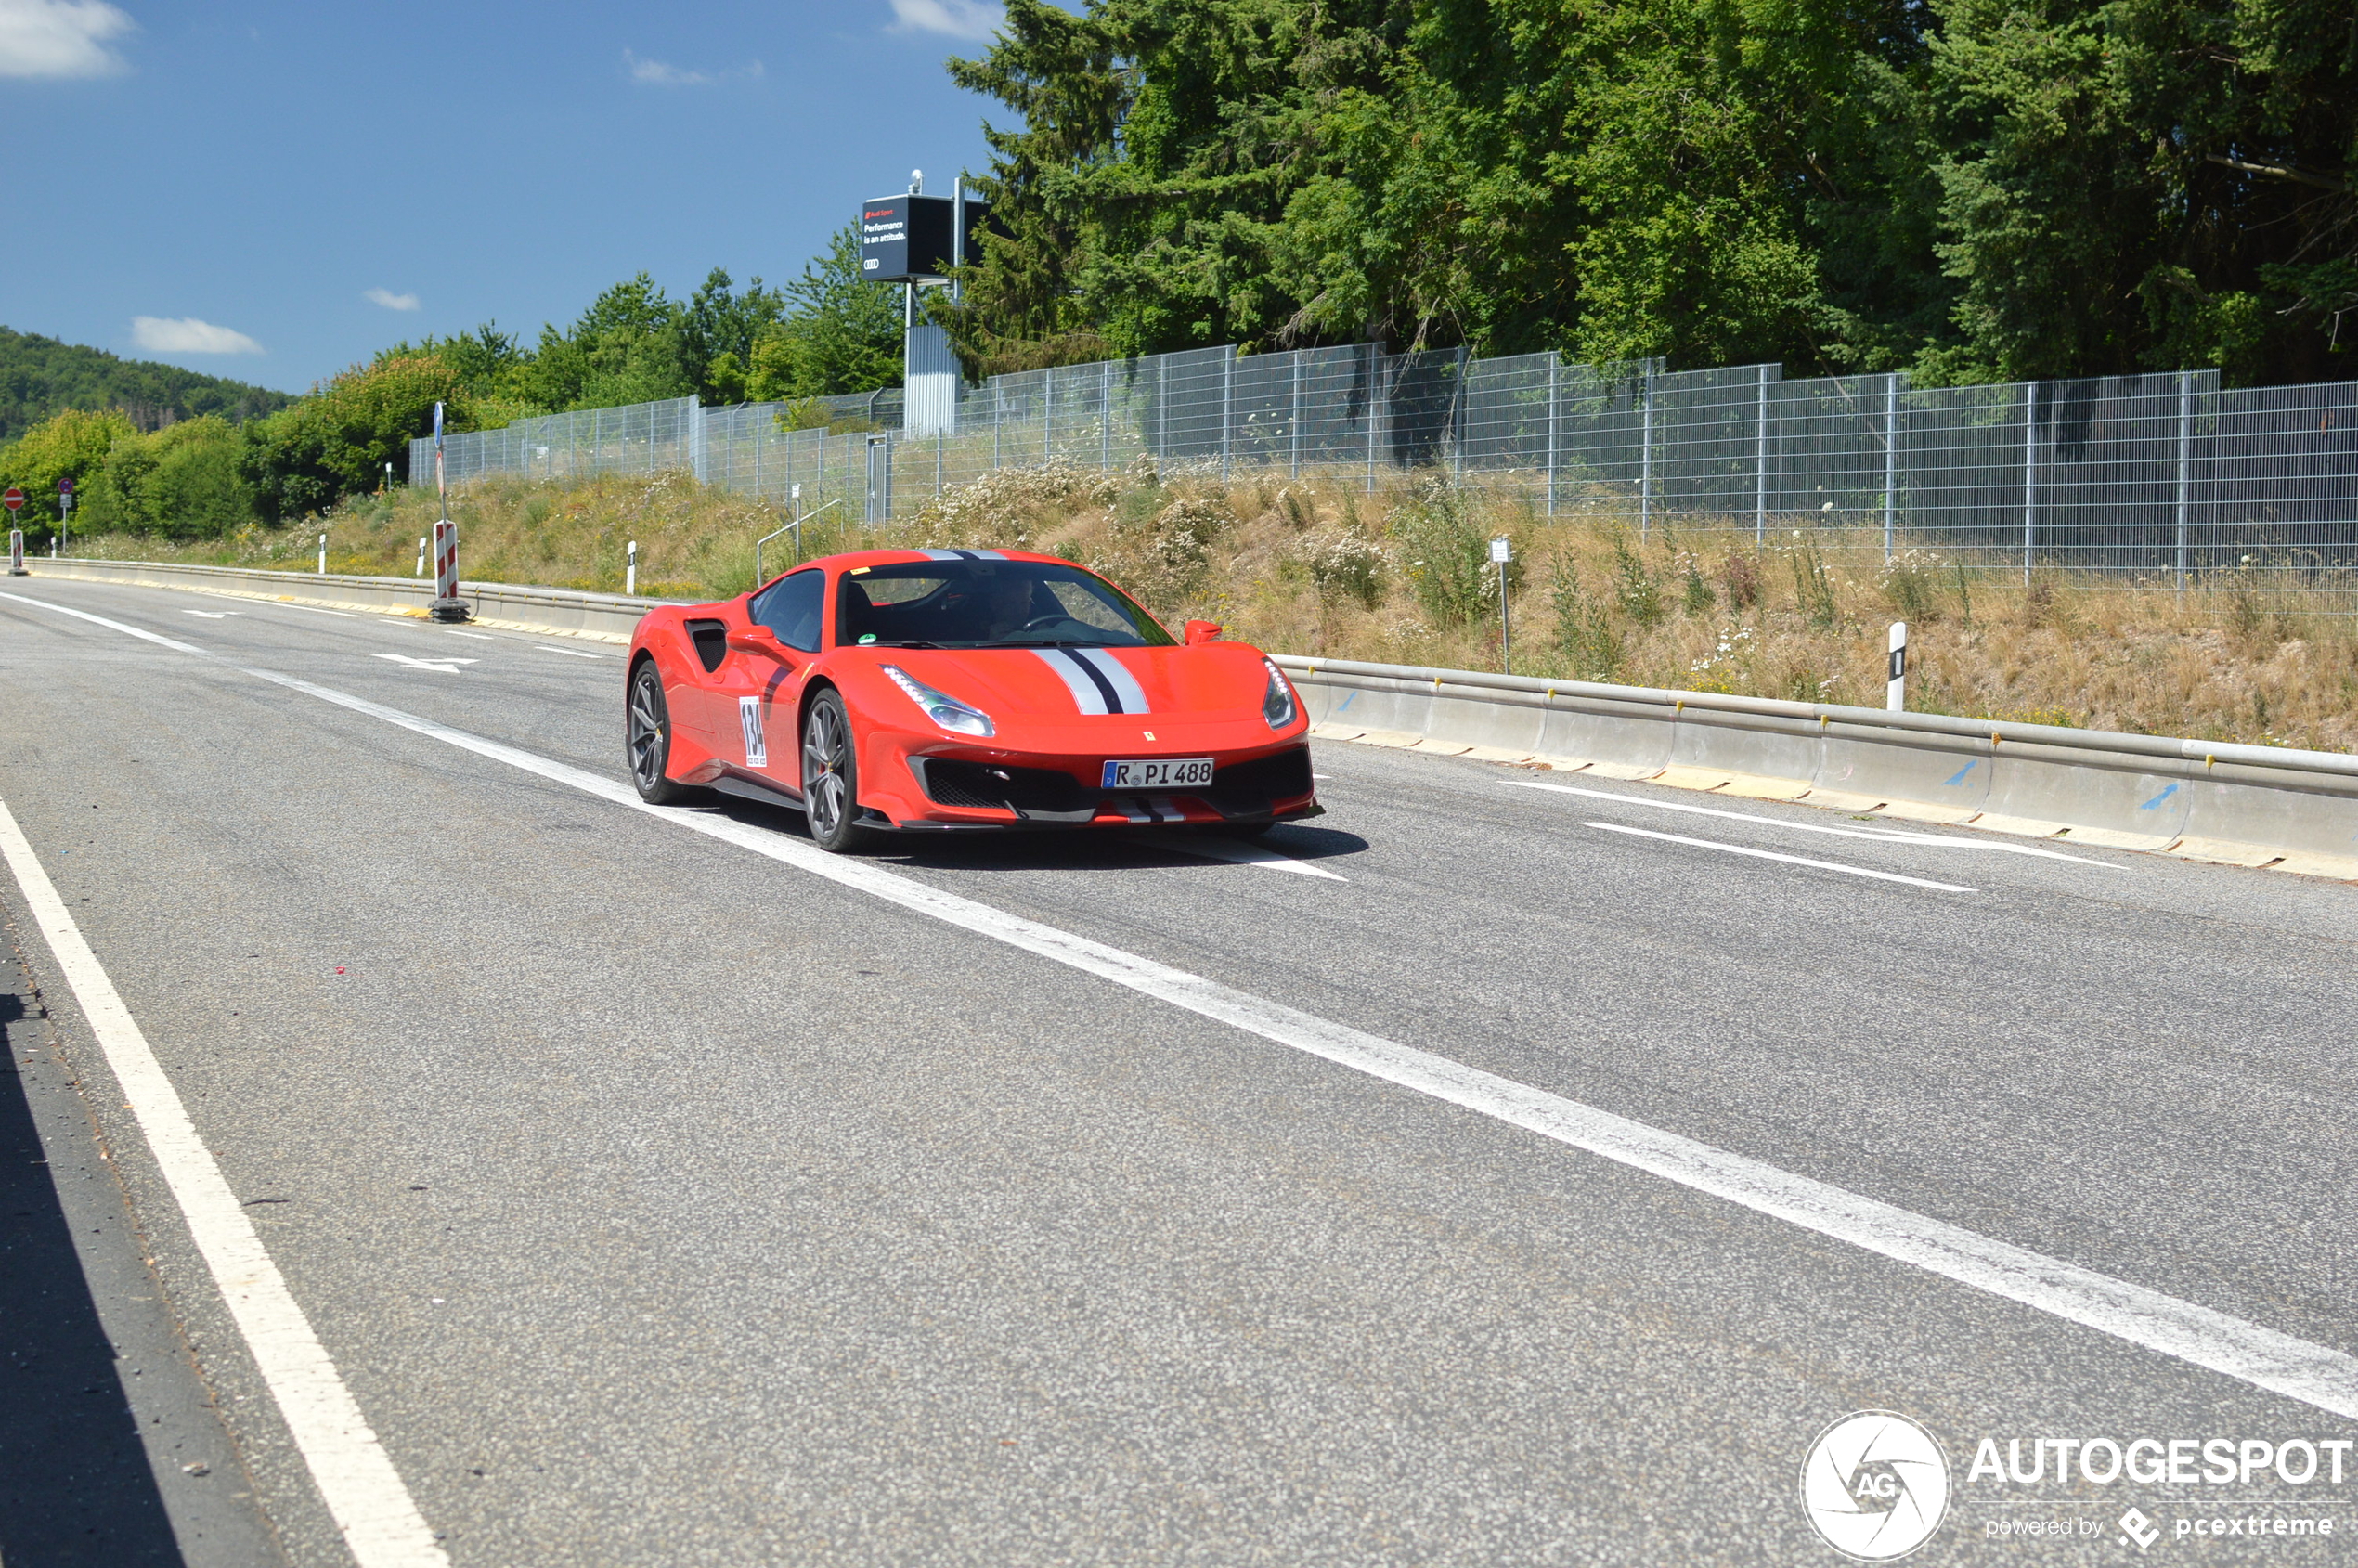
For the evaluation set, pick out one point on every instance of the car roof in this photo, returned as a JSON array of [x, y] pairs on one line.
[[851, 558]]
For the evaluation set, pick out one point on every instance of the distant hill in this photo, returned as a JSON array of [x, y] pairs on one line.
[[39, 376]]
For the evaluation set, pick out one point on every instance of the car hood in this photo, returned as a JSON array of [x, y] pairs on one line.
[[1065, 684]]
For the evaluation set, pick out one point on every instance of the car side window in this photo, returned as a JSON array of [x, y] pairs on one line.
[[790, 608]]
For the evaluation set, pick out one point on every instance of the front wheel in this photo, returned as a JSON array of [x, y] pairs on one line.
[[646, 727], [830, 776]]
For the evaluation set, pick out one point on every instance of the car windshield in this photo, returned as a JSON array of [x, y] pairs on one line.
[[979, 603]]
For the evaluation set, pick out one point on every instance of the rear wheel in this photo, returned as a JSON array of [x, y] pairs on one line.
[[646, 726], [830, 776]]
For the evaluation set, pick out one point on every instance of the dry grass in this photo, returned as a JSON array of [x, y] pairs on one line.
[[1316, 566]]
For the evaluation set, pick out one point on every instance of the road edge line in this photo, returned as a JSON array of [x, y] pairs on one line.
[[364, 1494]]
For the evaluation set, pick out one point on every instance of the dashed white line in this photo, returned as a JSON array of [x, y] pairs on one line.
[[570, 652], [1771, 855], [1887, 836], [440, 666], [364, 1492]]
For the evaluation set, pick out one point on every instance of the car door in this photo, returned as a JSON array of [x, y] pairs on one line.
[[762, 677]]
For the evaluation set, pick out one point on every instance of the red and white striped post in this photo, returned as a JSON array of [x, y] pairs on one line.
[[16, 552], [447, 606]]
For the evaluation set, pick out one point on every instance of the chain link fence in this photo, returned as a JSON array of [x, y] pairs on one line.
[[2166, 474]]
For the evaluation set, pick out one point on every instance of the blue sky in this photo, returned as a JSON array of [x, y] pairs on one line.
[[272, 191]]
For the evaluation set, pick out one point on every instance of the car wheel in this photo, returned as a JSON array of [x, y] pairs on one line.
[[830, 776], [646, 728]]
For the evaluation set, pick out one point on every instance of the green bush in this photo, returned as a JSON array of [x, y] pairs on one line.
[[181, 483], [335, 443]]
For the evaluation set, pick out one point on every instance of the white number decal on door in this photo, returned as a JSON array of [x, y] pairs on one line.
[[749, 717]]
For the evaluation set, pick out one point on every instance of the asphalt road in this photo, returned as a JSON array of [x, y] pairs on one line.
[[660, 1202]]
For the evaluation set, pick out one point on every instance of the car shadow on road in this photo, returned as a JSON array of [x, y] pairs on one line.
[[1091, 848], [75, 1484]]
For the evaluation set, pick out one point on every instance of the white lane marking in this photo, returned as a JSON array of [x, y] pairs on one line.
[[315, 610], [478, 636], [570, 652], [2313, 1374], [1241, 855], [1772, 855], [1322, 775], [101, 620], [441, 666], [213, 615], [1884, 834], [364, 1492]]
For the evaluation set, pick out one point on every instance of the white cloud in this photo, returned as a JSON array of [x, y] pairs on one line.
[[959, 19], [189, 336], [655, 73], [390, 300], [61, 37]]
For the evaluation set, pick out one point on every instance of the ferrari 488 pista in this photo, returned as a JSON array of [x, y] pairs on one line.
[[950, 690]]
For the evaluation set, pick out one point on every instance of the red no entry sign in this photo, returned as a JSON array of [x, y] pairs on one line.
[[13, 499]]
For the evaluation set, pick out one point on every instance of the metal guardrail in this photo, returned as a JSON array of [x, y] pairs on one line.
[[2248, 805], [2297, 810]]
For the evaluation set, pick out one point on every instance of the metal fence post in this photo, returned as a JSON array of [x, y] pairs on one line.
[[2030, 472], [937, 438], [1163, 408], [1105, 415], [1375, 373], [1645, 449], [1890, 453], [1048, 414], [1227, 394], [2185, 445], [1458, 416], [1293, 421], [1760, 466], [1554, 359]]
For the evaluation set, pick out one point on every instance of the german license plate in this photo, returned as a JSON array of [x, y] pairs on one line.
[[1169, 773]]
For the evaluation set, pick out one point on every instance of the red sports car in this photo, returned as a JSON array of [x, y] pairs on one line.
[[947, 689]]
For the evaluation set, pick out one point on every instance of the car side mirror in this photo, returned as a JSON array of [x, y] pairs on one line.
[[1196, 633], [755, 639]]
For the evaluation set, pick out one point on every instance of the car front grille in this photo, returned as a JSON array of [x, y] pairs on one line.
[[1243, 789]]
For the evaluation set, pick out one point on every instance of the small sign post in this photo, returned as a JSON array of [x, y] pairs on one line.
[[1501, 553], [65, 506]]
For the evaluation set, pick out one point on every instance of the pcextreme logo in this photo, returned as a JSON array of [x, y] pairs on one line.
[[1874, 1486]]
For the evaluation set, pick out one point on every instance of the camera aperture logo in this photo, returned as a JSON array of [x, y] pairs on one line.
[[1875, 1485]]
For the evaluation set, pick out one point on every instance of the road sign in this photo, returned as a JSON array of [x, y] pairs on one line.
[[14, 499], [65, 486]]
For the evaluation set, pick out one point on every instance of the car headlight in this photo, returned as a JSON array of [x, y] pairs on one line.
[[942, 708], [1277, 705]]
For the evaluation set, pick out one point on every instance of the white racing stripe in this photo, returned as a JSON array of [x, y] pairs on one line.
[[1884, 834], [2300, 1369], [363, 1492], [2313, 1374], [1772, 855]]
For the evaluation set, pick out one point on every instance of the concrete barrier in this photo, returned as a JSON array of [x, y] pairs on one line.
[[599, 617], [2244, 805]]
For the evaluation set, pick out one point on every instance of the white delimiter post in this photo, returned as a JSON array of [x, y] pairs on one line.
[[422, 560], [323, 555], [630, 572], [1896, 692]]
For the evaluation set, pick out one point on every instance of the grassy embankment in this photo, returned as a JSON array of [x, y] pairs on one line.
[[1316, 566]]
